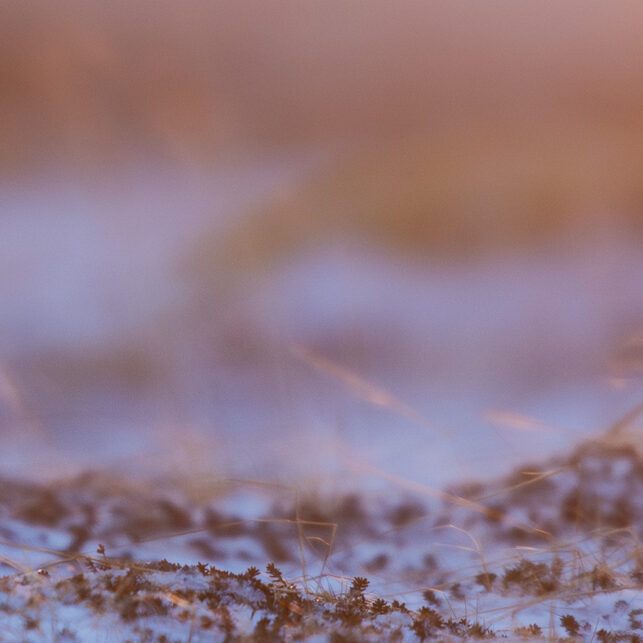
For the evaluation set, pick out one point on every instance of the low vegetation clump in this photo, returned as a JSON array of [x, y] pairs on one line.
[[545, 554]]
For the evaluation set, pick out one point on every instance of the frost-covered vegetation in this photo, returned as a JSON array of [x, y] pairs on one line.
[[547, 553]]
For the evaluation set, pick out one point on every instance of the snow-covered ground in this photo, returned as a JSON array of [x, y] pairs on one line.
[[320, 407], [340, 358], [533, 555]]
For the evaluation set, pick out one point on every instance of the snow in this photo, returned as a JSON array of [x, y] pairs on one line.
[[364, 374]]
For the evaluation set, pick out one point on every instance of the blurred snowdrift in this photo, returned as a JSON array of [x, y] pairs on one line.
[[443, 198]]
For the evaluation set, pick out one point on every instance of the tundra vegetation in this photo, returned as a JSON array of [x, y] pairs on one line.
[[549, 552]]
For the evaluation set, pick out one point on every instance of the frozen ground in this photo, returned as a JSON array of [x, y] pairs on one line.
[[351, 387], [550, 552]]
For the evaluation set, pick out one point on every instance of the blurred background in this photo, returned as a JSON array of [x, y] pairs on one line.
[[290, 240]]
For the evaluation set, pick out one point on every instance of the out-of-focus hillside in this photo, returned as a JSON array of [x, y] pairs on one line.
[[455, 194], [98, 81], [452, 126]]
